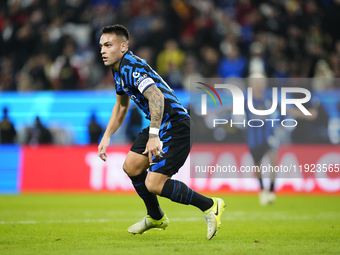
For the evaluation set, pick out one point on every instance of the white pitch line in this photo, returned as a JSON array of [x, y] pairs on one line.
[[23, 222], [232, 216]]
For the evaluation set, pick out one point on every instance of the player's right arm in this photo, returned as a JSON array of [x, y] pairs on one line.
[[118, 115]]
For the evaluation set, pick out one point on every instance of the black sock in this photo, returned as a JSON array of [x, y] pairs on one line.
[[179, 192], [261, 183], [271, 186], [150, 200]]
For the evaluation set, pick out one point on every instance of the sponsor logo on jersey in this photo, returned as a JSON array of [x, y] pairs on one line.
[[134, 98], [139, 79], [135, 74]]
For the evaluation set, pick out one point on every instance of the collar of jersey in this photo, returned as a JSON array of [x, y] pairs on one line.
[[121, 61]]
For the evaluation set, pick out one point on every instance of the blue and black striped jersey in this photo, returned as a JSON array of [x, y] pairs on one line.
[[135, 76], [257, 136]]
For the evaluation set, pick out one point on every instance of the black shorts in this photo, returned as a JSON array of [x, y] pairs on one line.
[[176, 147], [259, 151]]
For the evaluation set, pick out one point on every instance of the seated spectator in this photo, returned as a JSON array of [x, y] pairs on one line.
[[170, 58], [95, 130], [65, 71], [209, 62], [190, 71], [39, 134], [257, 63], [323, 77], [232, 65], [134, 123], [7, 130]]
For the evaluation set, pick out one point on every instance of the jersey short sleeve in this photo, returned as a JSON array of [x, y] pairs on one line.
[[119, 90]]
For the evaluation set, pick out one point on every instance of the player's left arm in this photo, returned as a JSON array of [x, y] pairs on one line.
[[156, 107]]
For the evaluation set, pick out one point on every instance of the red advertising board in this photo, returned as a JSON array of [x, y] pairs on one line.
[[52, 168], [306, 168], [78, 168]]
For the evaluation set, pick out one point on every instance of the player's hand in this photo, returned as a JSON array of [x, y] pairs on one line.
[[102, 148], [154, 148]]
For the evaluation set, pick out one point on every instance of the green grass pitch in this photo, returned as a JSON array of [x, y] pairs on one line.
[[97, 223]]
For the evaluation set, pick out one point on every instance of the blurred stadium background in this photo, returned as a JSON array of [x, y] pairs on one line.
[[58, 95]]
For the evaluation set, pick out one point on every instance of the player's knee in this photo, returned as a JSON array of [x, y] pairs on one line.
[[152, 186], [131, 170], [149, 185], [128, 170]]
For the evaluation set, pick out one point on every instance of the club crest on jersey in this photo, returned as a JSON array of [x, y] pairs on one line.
[[126, 89], [135, 74]]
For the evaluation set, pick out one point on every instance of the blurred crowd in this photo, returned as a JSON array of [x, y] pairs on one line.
[[53, 44]]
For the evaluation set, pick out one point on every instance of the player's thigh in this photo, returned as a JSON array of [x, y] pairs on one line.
[[135, 163]]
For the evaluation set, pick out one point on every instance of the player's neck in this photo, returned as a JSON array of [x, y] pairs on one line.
[[116, 66]]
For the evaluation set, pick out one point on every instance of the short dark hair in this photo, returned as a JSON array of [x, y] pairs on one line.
[[117, 29]]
